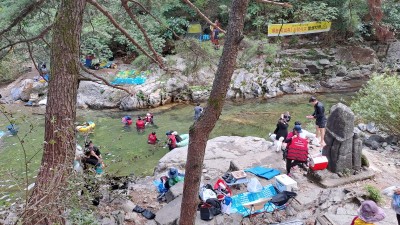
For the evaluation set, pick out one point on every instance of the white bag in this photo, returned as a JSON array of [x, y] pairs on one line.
[[226, 208], [254, 185], [206, 193]]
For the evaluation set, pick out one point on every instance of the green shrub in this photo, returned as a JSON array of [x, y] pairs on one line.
[[142, 62], [379, 101], [364, 160], [374, 193]]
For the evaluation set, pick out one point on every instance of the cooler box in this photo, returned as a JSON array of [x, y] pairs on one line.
[[285, 183], [319, 163]]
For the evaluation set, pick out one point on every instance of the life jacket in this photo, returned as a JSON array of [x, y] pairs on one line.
[[297, 149], [172, 140], [140, 124], [129, 122], [152, 139], [149, 119]]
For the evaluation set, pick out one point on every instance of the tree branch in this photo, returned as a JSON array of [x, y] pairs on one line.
[[156, 19], [24, 12], [33, 60], [146, 37], [283, 4], [116, 25], [104, 80], [203, 16], [41, 35]]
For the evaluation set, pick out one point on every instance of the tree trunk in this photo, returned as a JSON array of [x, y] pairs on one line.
[[201, 129], [46, 204]]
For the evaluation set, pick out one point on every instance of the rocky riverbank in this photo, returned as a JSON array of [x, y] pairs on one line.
[[293, 71]]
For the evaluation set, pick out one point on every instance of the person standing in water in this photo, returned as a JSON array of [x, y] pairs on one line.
[[197, 111], [320, 119]]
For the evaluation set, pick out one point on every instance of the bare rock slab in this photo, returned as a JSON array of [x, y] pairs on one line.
[[174, 192], [169, 214], [330, 183]]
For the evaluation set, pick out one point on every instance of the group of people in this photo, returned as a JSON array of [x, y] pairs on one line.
[[295, 143], [141, 123]]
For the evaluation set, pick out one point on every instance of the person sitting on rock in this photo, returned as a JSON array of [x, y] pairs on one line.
[[140, 125], [297, 151], [281, 132], [152, 139], [368, 214]]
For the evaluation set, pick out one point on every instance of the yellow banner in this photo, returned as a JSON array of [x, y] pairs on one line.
[[298, 28], [194, 28]]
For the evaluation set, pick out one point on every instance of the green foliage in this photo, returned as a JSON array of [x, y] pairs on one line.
[[8, 69], [82, 217], [142, 62], [364, 160], [258, 48], [391, 10], [374, 193], [316, 11], [379, 101]]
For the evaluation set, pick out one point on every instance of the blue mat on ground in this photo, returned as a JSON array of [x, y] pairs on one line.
[[263, 172], [239, 200]]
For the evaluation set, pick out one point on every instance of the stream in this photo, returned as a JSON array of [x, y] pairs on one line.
[[126, 152]]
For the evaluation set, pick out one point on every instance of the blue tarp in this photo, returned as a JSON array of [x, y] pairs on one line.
[[128, 80], [263, 172], [239, 200]]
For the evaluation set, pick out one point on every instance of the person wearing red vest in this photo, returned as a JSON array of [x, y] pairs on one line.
[[171, 140], [140, 125], [152, 139], [297, 150]]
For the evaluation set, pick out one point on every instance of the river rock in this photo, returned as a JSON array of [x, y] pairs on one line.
[[339, 138], [313, 67], [371, 128], [324, 62], [362, 127], [133, 102], [374, 145], [219, 152], [174, 192], [341, 71], [393, 53], [169, 214], [358, 54], [99, 96], [377, 138]]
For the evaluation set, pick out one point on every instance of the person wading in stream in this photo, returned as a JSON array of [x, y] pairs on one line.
[[320, 119]]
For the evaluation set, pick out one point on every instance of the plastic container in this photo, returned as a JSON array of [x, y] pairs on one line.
[[319, 163], [285, 183]]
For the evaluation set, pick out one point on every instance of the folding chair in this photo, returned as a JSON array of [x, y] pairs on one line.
[[256, 205], [281, 201]]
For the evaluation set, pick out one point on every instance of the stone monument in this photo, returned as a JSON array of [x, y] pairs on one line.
[[343, 148]]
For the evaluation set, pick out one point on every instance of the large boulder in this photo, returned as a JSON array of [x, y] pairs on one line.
[[339, 138], [169, 214], [360, 55], [132, 102], [393, 53], [99, 96]]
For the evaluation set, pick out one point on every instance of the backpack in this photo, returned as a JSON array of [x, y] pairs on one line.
[[209, 209]]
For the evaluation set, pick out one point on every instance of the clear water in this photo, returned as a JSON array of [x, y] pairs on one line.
[[125, 151]]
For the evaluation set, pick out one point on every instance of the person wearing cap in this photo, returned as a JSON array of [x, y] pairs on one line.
[[297, 150], [396, 203], [171, 142], [368, 214], [174, 176], [92, 155], [320, 119]]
